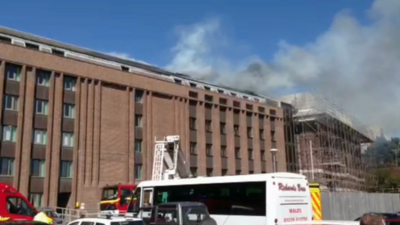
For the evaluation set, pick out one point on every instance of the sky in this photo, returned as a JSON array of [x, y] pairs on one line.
[[347, 50]]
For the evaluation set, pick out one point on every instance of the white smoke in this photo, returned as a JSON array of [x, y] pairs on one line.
[[357, 65]]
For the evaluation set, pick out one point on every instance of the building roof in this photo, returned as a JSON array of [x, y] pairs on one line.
[[308, 105], [46, 45]]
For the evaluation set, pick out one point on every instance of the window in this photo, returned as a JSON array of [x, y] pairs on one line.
[[7, 166], [9, 133], [43, 78], [66, 169], [138, 120], [208, 126], [42, 107], [38, 168], [13, 72], [138, 171], [40, 137], [193, 170], [222, 128], [237, 153], [250, 154], [16, 205], [273, 135], [262, 155], [250, 132], [236, 130], [11, 102], [223, 151], [139, 96], [224, 172], [209, 150], [249, 195], [138, 146], [209, 172], [69, 84], [68, 139], [238, 172], [261, 134], [251, 172], [193, 148], [69, 111], [36, 199], [192, 123]]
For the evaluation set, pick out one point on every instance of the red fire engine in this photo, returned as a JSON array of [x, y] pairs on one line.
[[14, 206], [115, 199]]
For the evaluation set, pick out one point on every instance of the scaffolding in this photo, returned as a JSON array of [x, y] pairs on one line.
[[328, 143]]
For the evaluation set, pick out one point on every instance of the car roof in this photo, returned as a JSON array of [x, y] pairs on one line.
[[105, 220], [183, 204]]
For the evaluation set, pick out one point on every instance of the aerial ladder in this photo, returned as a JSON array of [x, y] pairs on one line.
[[169, 161]]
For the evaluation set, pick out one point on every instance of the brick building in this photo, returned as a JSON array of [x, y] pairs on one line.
[[74, 120]]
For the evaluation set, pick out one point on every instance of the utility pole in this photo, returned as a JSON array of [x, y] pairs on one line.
[[312, 161]]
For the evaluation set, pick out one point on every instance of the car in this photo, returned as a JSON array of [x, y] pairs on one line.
[[57, 219], [179, 213], [108, 220], [386, 215]]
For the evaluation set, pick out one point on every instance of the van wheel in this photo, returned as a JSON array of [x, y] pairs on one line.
[[208, 221]]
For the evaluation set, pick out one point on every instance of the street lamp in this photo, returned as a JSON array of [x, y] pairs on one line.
[[274, 162]]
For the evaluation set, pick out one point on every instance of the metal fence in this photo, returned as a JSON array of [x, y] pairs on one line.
[[349, 206]]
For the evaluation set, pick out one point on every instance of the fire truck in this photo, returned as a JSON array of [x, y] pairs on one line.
[[15, 207], [116, 198]]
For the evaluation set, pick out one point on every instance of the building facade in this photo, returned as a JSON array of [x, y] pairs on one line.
[[75, 120]]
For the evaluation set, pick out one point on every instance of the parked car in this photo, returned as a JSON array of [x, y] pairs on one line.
[[57, 219], [108, 220]]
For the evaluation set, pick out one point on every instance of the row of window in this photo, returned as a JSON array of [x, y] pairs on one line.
[[41, 106], [209, 172], [9, 133], [13, 72], [209, 151], [38, 167], [236, 130]]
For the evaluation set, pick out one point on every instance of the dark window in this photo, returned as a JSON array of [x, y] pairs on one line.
[[237, 153], [223, 128], [87, 223], [224, 172], [208, 98], [138, 171], [193, 148], [249, 107], [262, 134], [7, 166], [236, 104], [209, 172], [16, 205], [139, 222], [192, 123], [193, 170], [209, 150], [238, 172], [219, 198], [223, 151], [139, 96], [250, 154], [236, 130], [250, 132], [262, 155], [223, 101], [193, 94], [208, 126]]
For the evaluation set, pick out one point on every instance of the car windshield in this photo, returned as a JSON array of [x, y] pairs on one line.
[[109, 193]]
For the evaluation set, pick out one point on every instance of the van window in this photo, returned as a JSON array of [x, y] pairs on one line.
[[244, 199], [17, 205]]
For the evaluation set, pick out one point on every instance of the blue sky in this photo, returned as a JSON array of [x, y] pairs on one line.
[[335, 46], [145, 29]]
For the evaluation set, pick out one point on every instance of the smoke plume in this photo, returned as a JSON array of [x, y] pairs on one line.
[[356, 65]]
